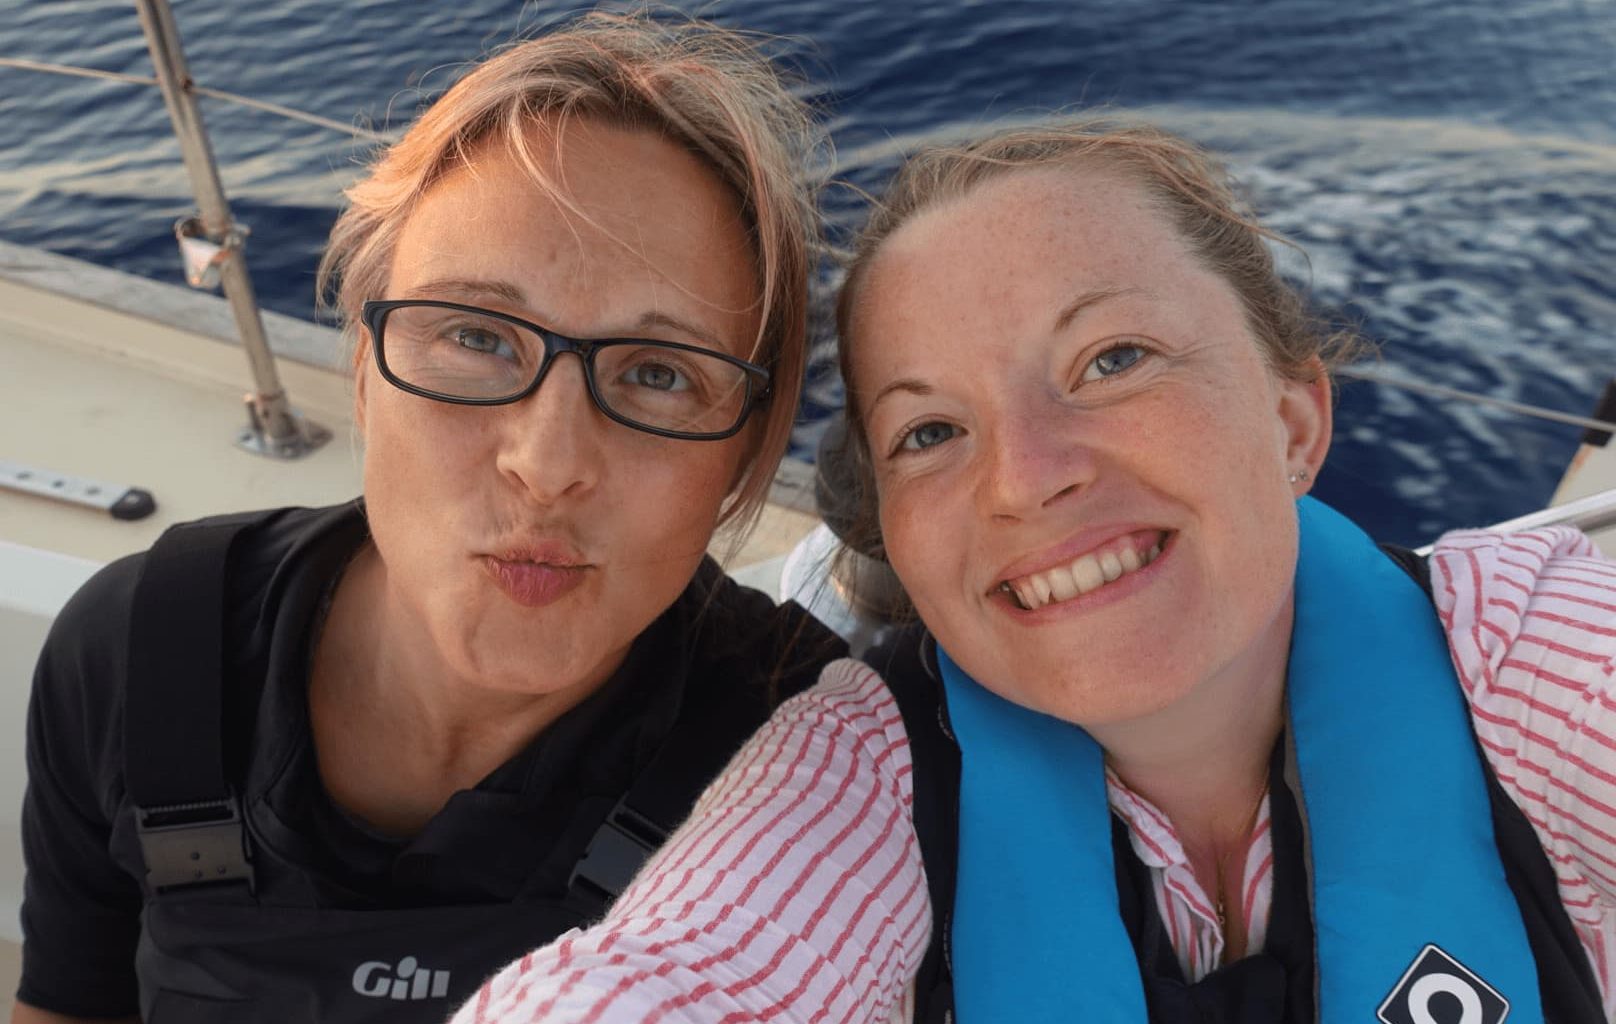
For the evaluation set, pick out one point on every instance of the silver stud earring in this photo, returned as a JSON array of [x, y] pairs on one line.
[[1300, 476]]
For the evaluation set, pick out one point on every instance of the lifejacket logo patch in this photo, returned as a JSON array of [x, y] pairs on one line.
[[1437, 989]]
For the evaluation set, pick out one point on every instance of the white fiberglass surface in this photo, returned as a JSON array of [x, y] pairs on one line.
[[34, 584]]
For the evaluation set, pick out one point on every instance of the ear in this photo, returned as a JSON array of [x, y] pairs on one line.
[[1307, 418]]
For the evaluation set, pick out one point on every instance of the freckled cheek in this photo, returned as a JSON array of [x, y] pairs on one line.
[[898, 528], [1230, 469], [676, 486], [416, 446], [926, 540], [1200, 439]]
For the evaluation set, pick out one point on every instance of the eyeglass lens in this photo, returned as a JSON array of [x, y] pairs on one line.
[[461, 354]]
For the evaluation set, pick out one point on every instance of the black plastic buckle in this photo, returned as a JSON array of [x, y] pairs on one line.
[[194, 844], [620, 847]]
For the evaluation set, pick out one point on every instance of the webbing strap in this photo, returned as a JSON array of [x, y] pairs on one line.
[[173, 718], [707, 733], [187, 815], [696, 750]]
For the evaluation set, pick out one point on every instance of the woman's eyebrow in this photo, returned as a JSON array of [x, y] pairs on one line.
[[657, 318], [473, 288], [908, 384], [1087, 299]]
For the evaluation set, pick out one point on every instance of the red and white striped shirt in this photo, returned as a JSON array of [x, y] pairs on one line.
[[796, 891]]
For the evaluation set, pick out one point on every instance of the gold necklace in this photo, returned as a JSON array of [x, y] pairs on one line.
[[1218, 901]]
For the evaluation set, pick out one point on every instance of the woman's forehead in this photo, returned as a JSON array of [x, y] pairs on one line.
[[600, 248], [1023, 245], [1033, 206], [1021, 262]]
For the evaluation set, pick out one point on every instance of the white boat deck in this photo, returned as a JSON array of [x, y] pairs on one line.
[[1592, 471], [153, 399]]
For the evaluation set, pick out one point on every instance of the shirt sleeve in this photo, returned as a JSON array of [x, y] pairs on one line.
[[1531, 623], [80, 910], [794, 893]]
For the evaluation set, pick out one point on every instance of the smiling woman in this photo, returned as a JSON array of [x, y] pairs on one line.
[[339, 764], [1184, 449], [1173, 742]]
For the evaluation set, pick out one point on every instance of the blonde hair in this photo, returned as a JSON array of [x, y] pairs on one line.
[[1188, 184], [707, 88]]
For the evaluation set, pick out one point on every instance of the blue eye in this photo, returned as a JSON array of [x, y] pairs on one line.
[[657, 377], [1112, 362], [483, 342], [927, 435]]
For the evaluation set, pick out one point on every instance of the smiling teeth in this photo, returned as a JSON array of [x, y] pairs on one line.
[[1110, 566], [1090, 572]]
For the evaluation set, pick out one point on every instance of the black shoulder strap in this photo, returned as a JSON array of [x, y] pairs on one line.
[[713, 723], [705, 736], [1412, 562], [908, 665], [187, 813]]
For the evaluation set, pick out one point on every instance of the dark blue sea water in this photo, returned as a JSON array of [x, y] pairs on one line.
[[1449, 167]]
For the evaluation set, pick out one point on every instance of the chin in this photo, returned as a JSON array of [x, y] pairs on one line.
[[530, 673], [1095, 699]]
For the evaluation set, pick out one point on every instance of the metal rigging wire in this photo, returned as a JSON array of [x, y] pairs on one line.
[[1443, 391], [277, 109]]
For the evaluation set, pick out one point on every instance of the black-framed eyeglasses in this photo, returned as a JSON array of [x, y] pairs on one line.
[[472, 356]]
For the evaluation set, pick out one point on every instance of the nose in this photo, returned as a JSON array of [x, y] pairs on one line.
[[1034, 457], [551, 442]]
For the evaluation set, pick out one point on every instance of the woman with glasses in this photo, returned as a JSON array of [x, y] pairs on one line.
[[340, 764]]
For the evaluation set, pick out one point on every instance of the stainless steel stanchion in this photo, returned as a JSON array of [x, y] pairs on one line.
[[212, 244]]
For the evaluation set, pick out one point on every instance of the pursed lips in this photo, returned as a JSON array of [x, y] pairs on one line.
[[556, 553], [537, 574]]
